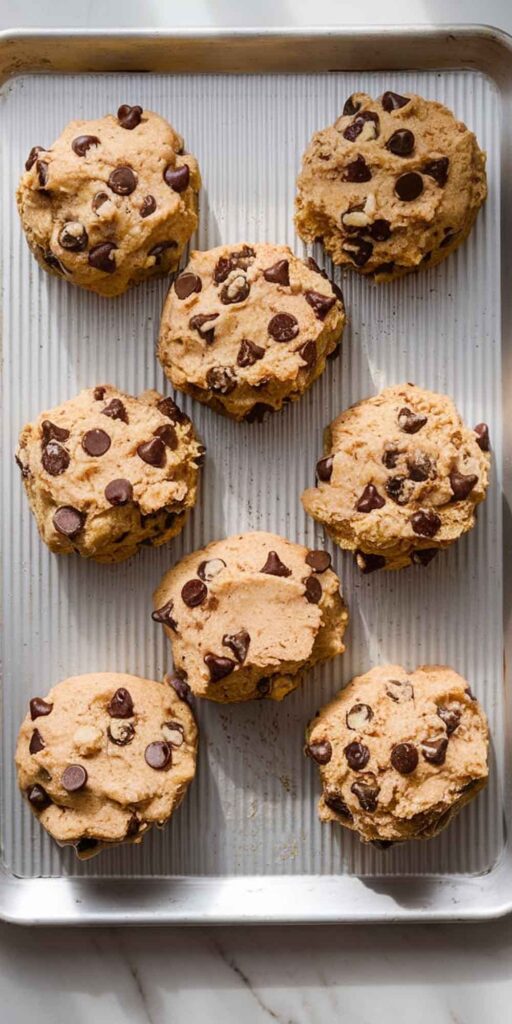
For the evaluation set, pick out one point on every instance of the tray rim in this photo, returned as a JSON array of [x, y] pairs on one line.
[[266, 899]]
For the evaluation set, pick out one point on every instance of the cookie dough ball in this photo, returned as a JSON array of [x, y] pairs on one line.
[[399, 753], [112, 202], [247, 615], [106, 472], [105, 756], [247, 328], [393, 185], [400, 478]]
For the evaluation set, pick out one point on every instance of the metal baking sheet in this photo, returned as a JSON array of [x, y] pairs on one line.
[[246, 844]]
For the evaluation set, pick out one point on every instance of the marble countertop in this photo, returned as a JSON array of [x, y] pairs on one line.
[[446, 974]]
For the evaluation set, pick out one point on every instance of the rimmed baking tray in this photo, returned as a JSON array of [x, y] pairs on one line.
[[246, 846]]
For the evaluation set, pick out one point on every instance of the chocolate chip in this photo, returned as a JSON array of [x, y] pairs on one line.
[[32, 156], [99, 393], [121, 733], [354, 129], [357, 755], [399, 690], [86, 844], [318, 560], [308, 354], [119, 492], [398, 489], [320, 304], [133, 827], [357, 170], [177, 178], [324, 468], [96, 442], [422, 556], [434, 750], [404, 758], [173, 733], [380, 230], [82, 143], [462, 484], [55, 458], [158, 755], [98, 200], [147, 206], [366, 792], [39, 707], [482, 436], [164, 615], [274, 566], [73, 236], [51, 432], [38, 798], [168, 435], [278, 273], [193, 593], [235, 290], [74, 778], [410, 422], [115, 410], [448, 239], [196, 323], [390, 456], [186, 284], [393, 101], [359, 251], [359, 717], [438, 170], [351, 107], [320, 751], [238, 643], [121, 704], [249, 353], [370, 499], [336, 803], [152, 452], [311, 264], [36, 742], [122, 181], [42, 172], [159, 249], [425, 523], [180, 686], [129, 117], [101, 257], [221, 379], [401, 142], [258, 412], [409, 186], [222, 269], [168, 407], [419, 466], [68, 521], [368, 562], [51, 260], [312, 590], [451, 718], [218, 667], [208, 570], [264, 686]]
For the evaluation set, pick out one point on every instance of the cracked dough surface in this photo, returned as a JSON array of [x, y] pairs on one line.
[[136, 740], [399, 753], [401, 477], [247, 328], [106, 472], [393, 185], [111, 202], [247, 615]]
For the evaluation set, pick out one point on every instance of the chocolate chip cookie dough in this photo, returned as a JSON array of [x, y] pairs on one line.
[[399, 752], [104, 756], [106, 472], [393, 185], [401, 477], [111, 202], [247, 615], [247, 328]]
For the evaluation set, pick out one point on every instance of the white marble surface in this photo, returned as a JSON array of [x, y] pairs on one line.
[[360, 975]]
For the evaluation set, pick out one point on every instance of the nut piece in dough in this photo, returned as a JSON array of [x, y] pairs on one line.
[[111, 202], [97, 761], [247, 328], [247, 615], [399, 753], [400, 478], [106, 472], [393, 185]]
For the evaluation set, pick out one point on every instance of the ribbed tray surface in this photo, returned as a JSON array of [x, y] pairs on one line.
[[252, 809]]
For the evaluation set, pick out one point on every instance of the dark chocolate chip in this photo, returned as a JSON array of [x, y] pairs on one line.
[[320, 751], [451, 718], [222, 269], [152, 452], [278, 273], [36, 742], [32, 156], [147, 206], [312, 590], [38, 798], [168, 435], [196, 323], [181, 687], [74, 778], [186, 284], [158, 755], [115, 410], [358, 717], [96, 442], [39, 707], [438, 170], [367, 793], [122, 181], [425, 523], [368, 562], [482, 436], [129, 117], [42, 172], [121, 704], [235, 290], [410, 422], [98, 200], [283, 327], [380, 230], [211, 568], [119, 492], [401, 142], [133, 827], [82, 143], [434, 750], [177, 178], [121, 733], [249, 353], [351, 107], [318, 560], [258, 412], [390, 456], [25, 471], [238, 643], [393, 101], [68, 521], [404, 758], [400, 690], [221, 379], [101, 257], [274, 566], [164, 615], [336, 803], [73, 236], [311, 264], [354, 129], [357, 170], [420, 466], [362, 253], [51, 432], [448, 239], [422, 556], [308, 354], [370, 499], [55, 458], [168, 407], [158, 250], [51, 260], [324, 468], [264, 686], [357, 755], [409, 186], [320, 304], [218, 667], [397, 489], [462, 484], [237, 259], [193, 593]]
